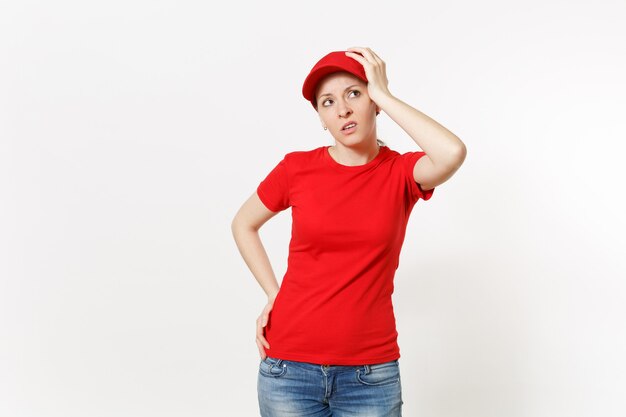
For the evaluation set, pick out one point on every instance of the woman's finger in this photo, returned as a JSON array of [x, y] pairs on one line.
[[376, 57], [263, 341], [262, 353], [362, 60], [261, 344], [358, 49], [366, 52], [261, 322], [259, 334], [369, 55]]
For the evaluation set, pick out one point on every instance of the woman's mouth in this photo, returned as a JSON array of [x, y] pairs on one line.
[[348, 128]]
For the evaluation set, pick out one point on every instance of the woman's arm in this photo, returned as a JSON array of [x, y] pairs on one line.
[[444, 151], [245, 227]]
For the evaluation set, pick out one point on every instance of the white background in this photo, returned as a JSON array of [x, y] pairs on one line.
[[132, 131]]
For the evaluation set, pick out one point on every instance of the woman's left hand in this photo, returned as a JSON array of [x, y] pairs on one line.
[[374, 70]]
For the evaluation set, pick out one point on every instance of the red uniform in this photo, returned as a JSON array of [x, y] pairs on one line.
[[334, 306]]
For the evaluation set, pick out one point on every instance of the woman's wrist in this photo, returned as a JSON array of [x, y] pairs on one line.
[[272, 296]]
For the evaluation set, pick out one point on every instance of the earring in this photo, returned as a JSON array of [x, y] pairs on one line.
[[325, 128]]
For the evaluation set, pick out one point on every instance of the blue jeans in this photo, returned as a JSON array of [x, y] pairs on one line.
[[299, 389]]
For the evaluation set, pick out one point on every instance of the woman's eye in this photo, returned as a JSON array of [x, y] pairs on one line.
[[328, 101]]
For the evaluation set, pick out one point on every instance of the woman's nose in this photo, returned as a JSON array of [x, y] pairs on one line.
[[344, 110]]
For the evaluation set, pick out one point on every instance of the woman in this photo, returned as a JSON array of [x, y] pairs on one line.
[[327, 337]]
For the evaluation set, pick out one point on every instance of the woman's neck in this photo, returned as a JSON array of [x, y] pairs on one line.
[[352, 155]]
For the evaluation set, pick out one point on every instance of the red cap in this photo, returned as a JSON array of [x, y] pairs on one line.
[[333, 62]]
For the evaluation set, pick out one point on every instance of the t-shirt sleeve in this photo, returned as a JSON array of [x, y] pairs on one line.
[[274, 189], [410, 158]]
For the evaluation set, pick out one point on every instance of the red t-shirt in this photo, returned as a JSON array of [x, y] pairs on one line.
[[334, 305]]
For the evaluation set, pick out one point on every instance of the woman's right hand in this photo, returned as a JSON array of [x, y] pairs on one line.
[[260, 324]]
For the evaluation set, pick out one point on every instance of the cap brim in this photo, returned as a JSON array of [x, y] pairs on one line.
[[310, 83]]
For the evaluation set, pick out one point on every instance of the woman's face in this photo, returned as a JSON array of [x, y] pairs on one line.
[[342, 98]]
